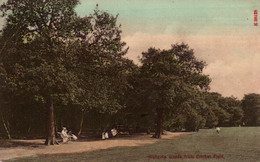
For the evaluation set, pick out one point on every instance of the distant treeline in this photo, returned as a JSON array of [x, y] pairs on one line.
[[58, 69]]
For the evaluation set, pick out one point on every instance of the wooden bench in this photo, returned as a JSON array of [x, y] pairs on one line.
[[123, 129]]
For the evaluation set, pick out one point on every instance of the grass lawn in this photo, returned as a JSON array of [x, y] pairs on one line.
[[232, 144]]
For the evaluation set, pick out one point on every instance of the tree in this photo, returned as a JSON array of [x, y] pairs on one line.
[[100, 65], [213, 113], [170, 77], [73, 61], [251, 108], [233, 107], [35, 55], [222, 111]]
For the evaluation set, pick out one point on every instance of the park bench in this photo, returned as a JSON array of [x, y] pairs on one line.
[[123, 129]]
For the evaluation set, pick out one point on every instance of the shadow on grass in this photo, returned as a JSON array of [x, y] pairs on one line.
[[123, 136], [20, 143]]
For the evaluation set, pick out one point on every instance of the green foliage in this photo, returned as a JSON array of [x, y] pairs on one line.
[[47, 51], [251, 108], [172, 80], [222, 111], [34, 51], [194, 121], [173, 71]]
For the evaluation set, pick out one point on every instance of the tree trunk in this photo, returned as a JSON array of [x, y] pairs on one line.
[[159, 122], [6, 129], [50, 126], [81, 122]]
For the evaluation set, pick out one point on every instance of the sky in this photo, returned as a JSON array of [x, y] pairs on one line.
[[221, 32]]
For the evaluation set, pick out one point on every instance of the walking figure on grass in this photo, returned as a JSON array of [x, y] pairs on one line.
[[218, 130]]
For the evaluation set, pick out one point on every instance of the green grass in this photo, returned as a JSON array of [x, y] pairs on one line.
[[234, 144]]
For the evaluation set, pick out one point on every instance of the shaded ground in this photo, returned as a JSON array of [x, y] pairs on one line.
[[20, 148]]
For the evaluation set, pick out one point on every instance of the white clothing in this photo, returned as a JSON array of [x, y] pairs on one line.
[[64, 135], [218, 130], [106, 135], [114, 132]]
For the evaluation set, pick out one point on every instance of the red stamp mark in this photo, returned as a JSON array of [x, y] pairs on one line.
[[187, 156], [255, 18]]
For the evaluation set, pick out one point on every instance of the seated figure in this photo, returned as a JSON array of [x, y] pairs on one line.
[[106, 135], [72, 136], [114, 132], [64, 135], [67, 136]]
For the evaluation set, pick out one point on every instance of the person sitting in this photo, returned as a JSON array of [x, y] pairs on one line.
[[105, 135], [64, 135], [114, 132], [72, 136], [67, 136]]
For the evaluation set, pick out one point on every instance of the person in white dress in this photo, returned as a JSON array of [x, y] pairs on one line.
[[218, 130], [64, 134], [114, 132]]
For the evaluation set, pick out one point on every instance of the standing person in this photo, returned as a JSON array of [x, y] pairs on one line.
[[218, 130]]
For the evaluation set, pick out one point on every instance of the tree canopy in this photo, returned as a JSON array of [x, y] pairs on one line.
[[251, 107], [51, 55], [172, 77]]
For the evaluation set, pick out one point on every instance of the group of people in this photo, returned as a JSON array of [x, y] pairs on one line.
[[67, 136], [108, 134]]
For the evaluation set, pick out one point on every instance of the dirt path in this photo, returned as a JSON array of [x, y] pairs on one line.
[[36, 147]]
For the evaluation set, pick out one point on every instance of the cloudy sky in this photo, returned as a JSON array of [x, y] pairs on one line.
[[221, 32]]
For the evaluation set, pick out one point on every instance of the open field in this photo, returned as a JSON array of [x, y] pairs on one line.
[[232, 144]]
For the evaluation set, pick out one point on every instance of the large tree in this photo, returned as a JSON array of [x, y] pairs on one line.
[[35, 53], [171, 76], [51, 55], [251, 107], [101, 66]]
